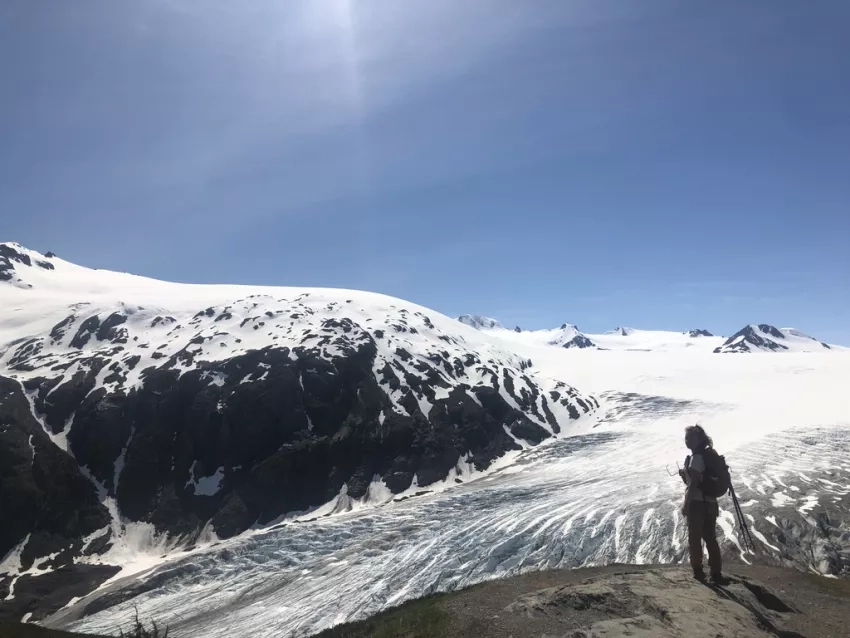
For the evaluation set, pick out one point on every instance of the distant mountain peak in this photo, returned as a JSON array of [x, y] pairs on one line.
[[569, 336], [764, 337], [580, 341], [479, 322], [699, 332], [623, 331]]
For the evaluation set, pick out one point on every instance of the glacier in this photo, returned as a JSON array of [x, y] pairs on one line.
[[599, 496]]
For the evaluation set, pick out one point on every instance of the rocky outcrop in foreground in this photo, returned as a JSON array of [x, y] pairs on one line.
[[620, 601]]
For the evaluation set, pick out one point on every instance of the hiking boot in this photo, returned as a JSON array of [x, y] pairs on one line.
[[719, 579], [700, 576]]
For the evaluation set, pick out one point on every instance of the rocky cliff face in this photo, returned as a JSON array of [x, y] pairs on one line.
[[46, 497], [183, 408]]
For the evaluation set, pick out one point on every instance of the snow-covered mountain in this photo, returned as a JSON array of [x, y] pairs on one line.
[[699, 332], [567, 336], [753, 338], [766, 338], [275, 460], [624, 339], [133, 408]]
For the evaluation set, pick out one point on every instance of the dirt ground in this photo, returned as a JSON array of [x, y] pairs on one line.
[[619, 601]]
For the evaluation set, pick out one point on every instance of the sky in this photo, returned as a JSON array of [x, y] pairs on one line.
[[653, 163]]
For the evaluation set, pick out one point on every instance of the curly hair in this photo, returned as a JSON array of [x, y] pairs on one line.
[[705, 440]]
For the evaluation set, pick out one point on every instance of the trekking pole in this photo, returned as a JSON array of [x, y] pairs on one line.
[[745, 530], [737, 507]]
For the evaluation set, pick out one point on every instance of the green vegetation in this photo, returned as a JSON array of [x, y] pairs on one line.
[[138, 630]]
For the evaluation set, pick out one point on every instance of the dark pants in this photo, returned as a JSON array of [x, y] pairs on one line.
[[702, 526]]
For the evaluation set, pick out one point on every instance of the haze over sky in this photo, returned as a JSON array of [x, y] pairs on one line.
[[652, 163]]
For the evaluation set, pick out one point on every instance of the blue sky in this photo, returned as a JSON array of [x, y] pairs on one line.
[[653, 163]]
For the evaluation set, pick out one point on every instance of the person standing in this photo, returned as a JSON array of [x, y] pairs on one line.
[[701, 509]]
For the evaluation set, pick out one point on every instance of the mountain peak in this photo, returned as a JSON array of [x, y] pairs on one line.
[[15, 260], [699, 332], [480, 323], [764, 337], [569, 336]]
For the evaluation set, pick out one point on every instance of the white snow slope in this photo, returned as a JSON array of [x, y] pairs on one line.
[[211, 323], [599, 495]]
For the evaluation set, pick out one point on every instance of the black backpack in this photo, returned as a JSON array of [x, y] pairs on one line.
[[716, 479]]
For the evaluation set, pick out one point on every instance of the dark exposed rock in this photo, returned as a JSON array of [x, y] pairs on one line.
[[42, 490], [85, 332], [162, 321], [698, 332], [67, 396], [8, 255], [579, 341], [44, 594], [59, 330], [27, 349], [109, 331], [747, 338], [773, 332]]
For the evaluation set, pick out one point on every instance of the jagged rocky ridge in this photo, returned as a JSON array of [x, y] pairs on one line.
[[699, 332], [10, 255], [569, 336], [145, 405], [766, 338]]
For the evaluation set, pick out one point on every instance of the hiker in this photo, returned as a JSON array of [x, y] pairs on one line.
[[700, 507]]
